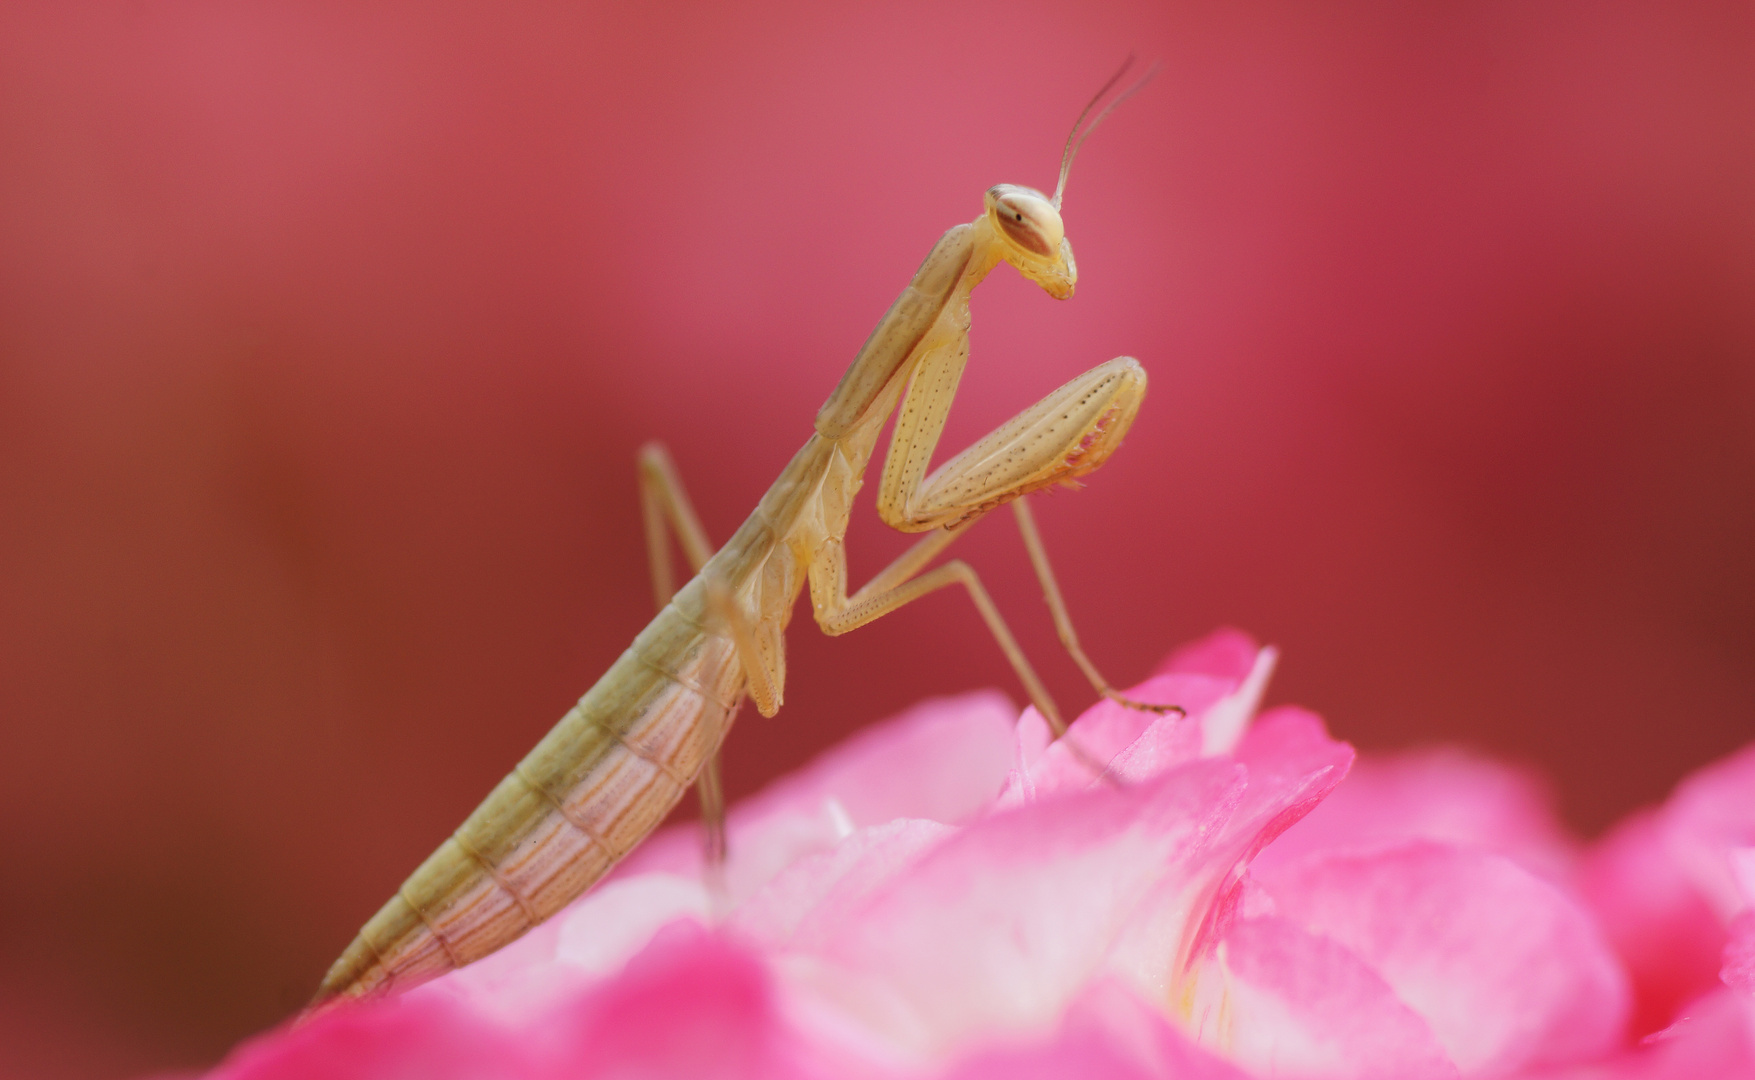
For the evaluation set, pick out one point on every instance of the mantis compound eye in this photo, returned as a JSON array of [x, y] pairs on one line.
[[1027, 218]]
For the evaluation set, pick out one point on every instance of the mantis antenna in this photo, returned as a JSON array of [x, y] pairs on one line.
[[1075, 138]]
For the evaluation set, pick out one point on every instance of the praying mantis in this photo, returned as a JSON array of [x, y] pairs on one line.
[[615, 765]]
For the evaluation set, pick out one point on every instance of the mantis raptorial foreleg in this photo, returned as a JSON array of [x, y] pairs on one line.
[[1043, 445], [664, 502]]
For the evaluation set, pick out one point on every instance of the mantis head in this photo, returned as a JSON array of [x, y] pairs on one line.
[[1035, 236]]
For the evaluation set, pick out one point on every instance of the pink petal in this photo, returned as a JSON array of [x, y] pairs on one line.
[[1136, 743], [1505, 967], [997, 928], [1224, 724], [1108, 1034], [1171, 740], [615, 921], [1739, 966], [1664, 885], [1738, 971], [690, 1005], [1226, 653], [799, 908], [1284, 1002], [1446, 795], [1293, 766], [1108, 729], [522, 975], [942, 760], [1742, 864], [1667, 937], [1714, 1038], [1289, 764], [435, 1037], [593, 938], [1711, 814]]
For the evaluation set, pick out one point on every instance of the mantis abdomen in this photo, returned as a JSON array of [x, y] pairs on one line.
[[589, 792]]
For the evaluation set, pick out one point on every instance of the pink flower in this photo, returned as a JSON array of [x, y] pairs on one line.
[[1668, 885], [952, 895]]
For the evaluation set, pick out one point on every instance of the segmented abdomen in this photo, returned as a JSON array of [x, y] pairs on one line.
[[590, 791]]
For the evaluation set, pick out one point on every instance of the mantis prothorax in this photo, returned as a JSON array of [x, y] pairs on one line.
[[616, 764]]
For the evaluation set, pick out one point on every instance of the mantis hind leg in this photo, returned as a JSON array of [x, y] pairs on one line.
[[665, 507]]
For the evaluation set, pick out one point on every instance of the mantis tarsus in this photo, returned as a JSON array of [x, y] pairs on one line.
[[616, 764]]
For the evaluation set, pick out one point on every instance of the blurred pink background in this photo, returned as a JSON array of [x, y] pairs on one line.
[[327, 338]]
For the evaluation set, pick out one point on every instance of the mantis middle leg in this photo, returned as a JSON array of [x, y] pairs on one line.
[[901, 583], [1069, 638]]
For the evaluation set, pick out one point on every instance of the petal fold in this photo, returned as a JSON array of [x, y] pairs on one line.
[[1507, 969]]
